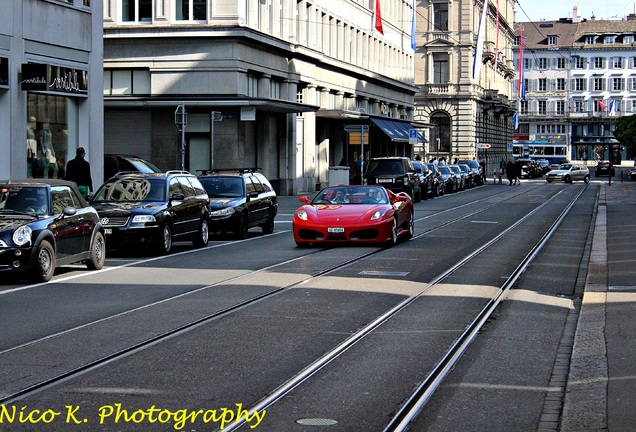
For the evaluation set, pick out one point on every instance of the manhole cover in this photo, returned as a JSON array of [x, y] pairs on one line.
[[316, 422]]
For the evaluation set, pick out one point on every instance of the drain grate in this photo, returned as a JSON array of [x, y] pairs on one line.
[[383, 273], [316, 422]]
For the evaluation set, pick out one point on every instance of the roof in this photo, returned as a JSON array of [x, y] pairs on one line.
[[47, 182], [535, 34]]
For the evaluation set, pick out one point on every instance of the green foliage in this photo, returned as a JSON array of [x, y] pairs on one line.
[[625, 132]]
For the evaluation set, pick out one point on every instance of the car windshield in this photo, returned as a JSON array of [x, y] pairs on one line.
[[352, 195], [384, 167], [444, 169], [23, 199], [223, 187], [471, 163], [455, 169], [565, 167], [132, 190]]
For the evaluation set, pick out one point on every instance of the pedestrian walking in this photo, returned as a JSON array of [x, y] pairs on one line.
[[510, 171], [78, 170]]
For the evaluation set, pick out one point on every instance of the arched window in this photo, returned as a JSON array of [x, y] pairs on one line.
[[441, 133]]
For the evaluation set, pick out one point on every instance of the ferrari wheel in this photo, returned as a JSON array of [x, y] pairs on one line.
[[411, 225], [394, 233]]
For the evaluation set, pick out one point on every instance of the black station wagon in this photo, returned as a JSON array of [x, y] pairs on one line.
[[153, 209]]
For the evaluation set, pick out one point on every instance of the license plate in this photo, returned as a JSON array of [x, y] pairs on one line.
[[385, 180], [335, 230], [108, 231]]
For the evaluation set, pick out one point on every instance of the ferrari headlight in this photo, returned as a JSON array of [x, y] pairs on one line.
[[302, 214], [22, 235], [223, 212], [143, 219], [378, 214]]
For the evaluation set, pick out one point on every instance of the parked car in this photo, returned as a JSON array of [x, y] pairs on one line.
[[451, 181], [632, 174], [153, 209], [396, 174], [367, 214], [544, 165], [604, 168], [239, 200], [427, 182], [462, 179], [479, 176], [438, 180], [468, 175], [44, 224], [115, 163], [569, 172], [529, 168]]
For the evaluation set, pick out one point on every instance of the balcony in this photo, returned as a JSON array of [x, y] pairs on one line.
[[447, 89]]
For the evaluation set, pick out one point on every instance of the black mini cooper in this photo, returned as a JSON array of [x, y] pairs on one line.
[[44, 224]]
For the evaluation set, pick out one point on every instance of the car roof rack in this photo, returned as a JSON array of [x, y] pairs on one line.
[[177, 172], [237, 170]]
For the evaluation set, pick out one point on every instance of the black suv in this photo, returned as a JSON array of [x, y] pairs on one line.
[[427, 179], [396, 174], [239, 200], [153, 209], [529, 168]]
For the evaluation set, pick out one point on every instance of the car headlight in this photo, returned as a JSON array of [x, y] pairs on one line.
[[223, 212], [406, 181], [22, 235], [143, 219], [302, 214], [378, 214]]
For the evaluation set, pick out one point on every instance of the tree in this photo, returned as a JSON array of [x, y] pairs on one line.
[[625, 133]]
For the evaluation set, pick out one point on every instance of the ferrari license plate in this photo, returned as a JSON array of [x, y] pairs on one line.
[[335, 230]]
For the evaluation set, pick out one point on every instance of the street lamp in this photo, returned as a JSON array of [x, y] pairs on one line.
[[181, 120]]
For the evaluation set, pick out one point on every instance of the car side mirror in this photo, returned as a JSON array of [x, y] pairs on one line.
[[177, 197], [69, 211], [304, 199]]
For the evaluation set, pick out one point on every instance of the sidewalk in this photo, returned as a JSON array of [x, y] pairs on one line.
[[602, 377]]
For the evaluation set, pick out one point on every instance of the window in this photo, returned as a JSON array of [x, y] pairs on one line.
[[560, 107], [543, 84], [617, 84], [589, 40], [561, 63], [136, 10], [552, 40], [543, 106], [274, 88], [542, 63], [440, 68], [578, 84], [598, 62], [560, 84], [517, 41], [597, 84], [526, 63], [628, 39], [252, 85], [578, 106], [617, 62], [191, 10], [440, 16], [126, 82], [599, 106], [523, 109], [609, 40], [579, 62]]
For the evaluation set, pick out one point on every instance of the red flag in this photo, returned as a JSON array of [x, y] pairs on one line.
[[378, 17], [601, 105]]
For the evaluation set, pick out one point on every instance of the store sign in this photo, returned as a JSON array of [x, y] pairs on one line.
[[4, 72], [47, 78]]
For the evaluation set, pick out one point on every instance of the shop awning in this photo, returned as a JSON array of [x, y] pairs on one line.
[[397, 131]]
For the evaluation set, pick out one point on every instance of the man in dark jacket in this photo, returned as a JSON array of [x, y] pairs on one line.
[[511, 171], [78, 170]]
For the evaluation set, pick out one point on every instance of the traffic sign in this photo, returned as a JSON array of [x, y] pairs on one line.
[[412, 136]]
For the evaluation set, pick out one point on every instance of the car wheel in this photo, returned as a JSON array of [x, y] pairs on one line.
[[203, 235], [567, 179], [97, 253], [44, 264], [164, 241], [394, 233], [417, 197], [411, 225], [243, 226], [268, 227], [586, 179], [549, 181]]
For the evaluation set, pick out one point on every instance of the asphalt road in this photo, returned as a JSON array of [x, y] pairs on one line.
[[313, 300]]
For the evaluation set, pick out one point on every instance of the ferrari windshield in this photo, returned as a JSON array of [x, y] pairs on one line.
[[352, 195]]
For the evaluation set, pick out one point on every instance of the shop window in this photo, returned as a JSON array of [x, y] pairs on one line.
[[126, 82], [51, 134]]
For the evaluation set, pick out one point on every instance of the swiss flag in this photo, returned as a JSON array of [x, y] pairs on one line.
[[601, 105], [378, 17]]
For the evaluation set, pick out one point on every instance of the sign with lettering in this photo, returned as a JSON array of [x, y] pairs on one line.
[[55, 79], [4, 72]]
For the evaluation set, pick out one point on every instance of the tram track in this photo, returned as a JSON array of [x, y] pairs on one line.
[[283, 389]]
